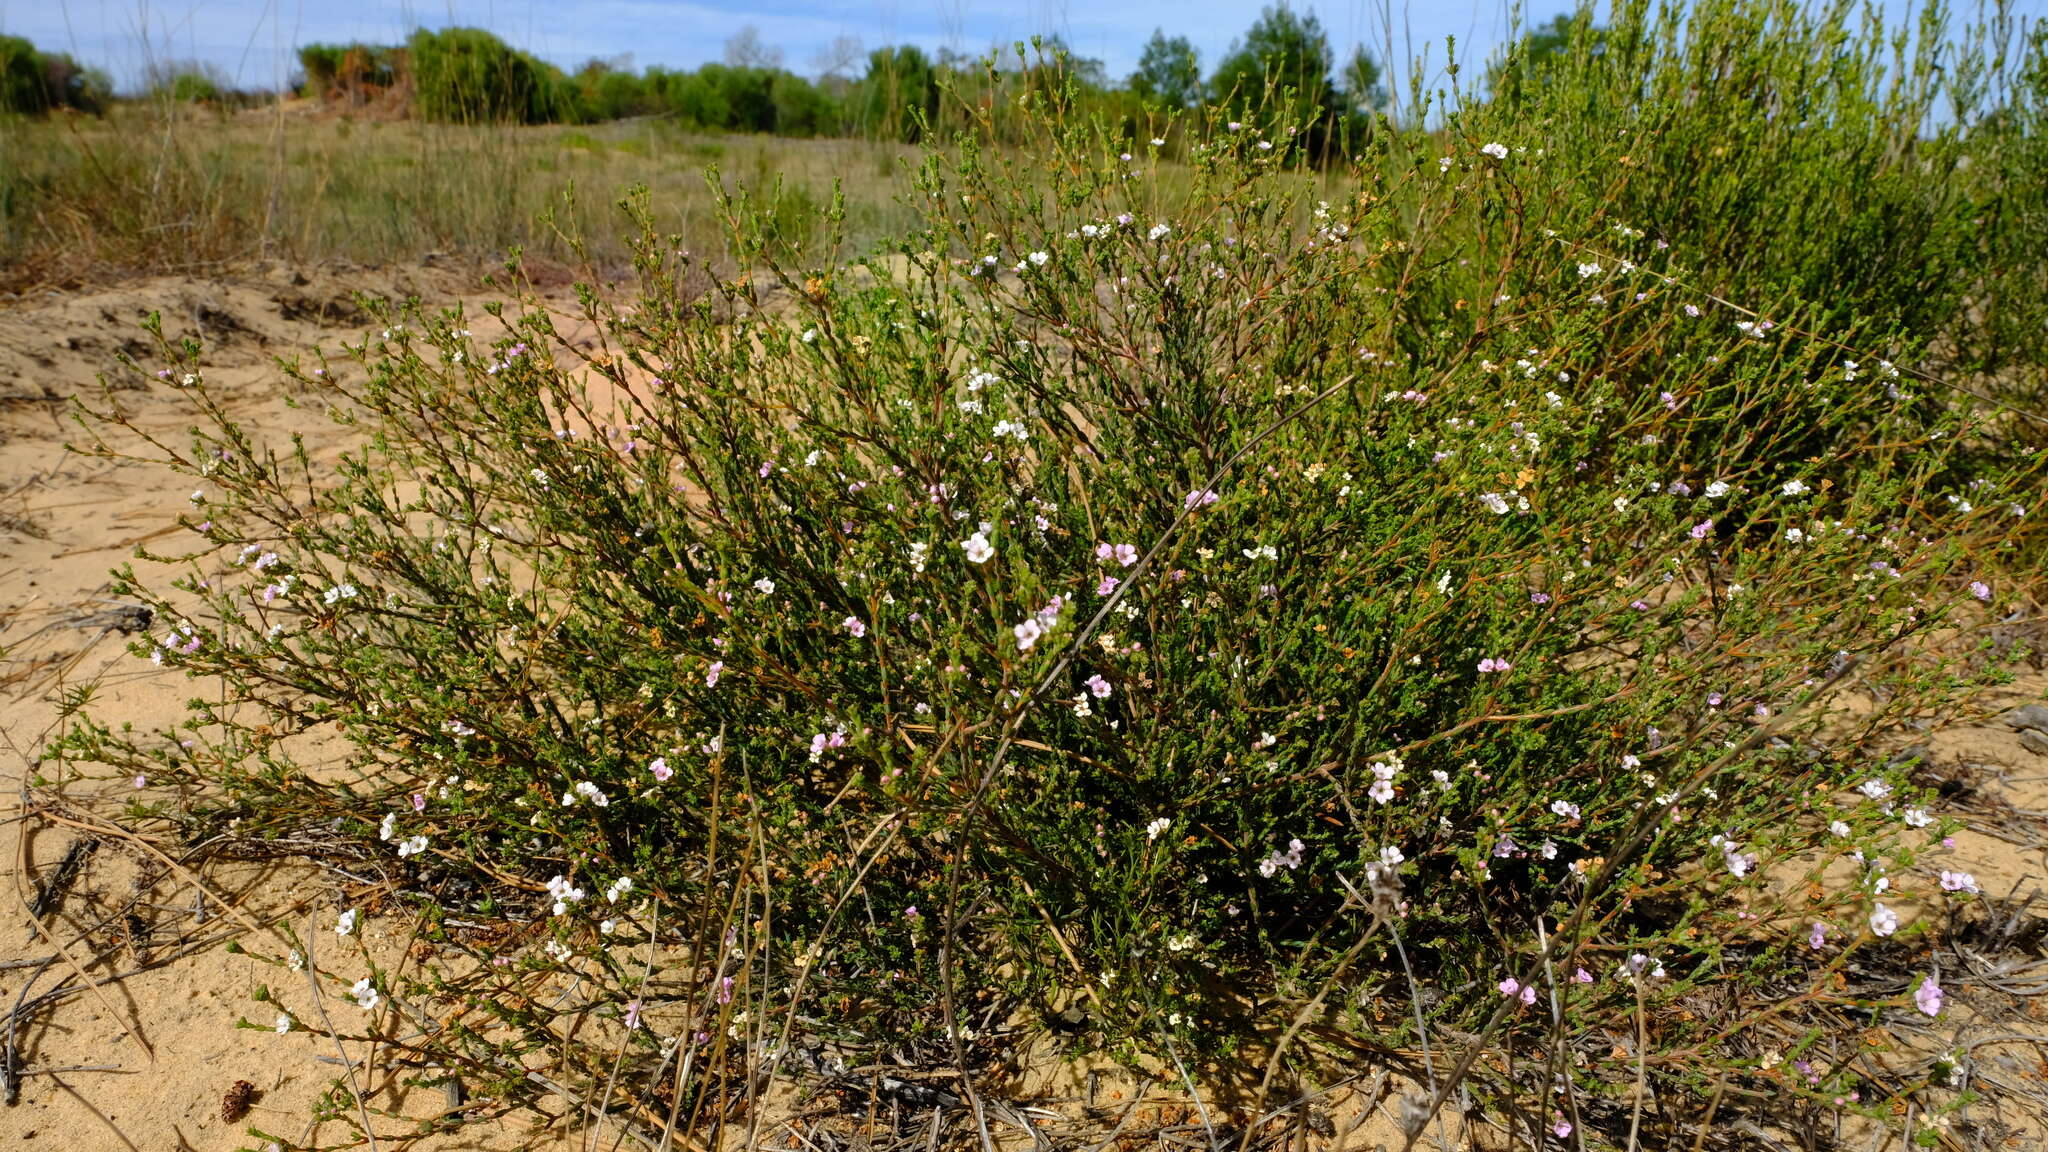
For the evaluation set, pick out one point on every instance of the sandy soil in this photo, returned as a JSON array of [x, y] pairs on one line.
[[143, 1058]]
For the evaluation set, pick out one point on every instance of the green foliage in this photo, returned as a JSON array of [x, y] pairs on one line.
[[34, 83], [1536, 58], [1780, 149], [189, 82], [1277, 78], [1360, 82], [1169, 72], [2009, 148], [468, 76], [349, 72], [21, 77], [898, 97]]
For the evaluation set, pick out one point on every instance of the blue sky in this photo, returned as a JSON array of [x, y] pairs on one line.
[[252, 40]]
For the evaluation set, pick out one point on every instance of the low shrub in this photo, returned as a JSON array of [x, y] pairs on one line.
[[1082, 605]]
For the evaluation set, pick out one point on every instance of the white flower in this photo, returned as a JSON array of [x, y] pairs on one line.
[[564, 894], [412, 847], [365, 994], [978, 548], [1883, 921], [1588, 270], [389, 827], [618, 888], [1153, 829], [1038, 259], [1958, 882], [810, 335], [284, 1023], [1839, 828], [1496, 150], [1027, 634], [1010, 428], [1494, 503], [1795, 488], [347, 924], [1917, 818], [1875, 789], [1717, 489], [765, 586], [1158, 230]]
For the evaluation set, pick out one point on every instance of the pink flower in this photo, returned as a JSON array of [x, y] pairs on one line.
[[1510, 986], [1928, 997], [1493, 664], [1127, 555], [1701, 529], [1199, 498], [1098, 687], [1980, 590], [661, 769], [1581, 976], [854, 625], [1561, 1129], [1817, 935], [711, 673], [632, 1014], [419, 801]]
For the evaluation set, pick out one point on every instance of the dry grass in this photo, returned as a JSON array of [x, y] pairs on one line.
[[185, 189]]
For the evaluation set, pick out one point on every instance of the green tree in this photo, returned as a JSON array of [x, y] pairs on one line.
[[1537, 56], [1277, 79], [467, 75], [1169, 72], [21, 78], [1286, 55], [900, 88], [1361, 85]]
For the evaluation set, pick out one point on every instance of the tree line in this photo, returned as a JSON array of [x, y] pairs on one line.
[[1282, 68]]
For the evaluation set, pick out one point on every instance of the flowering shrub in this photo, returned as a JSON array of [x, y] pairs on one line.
[[1161, 599]]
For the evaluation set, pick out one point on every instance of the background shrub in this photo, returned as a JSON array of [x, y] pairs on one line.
[[467, 75], [34, 82]]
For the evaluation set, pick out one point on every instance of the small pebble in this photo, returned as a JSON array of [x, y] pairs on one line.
[[2032, 717]]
